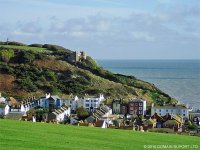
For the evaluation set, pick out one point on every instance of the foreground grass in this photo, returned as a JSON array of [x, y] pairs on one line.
[[28, 135]]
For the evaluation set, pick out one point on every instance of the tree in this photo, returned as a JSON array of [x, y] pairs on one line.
[[30, 114], [6, 55], [82, 113], [28, 57]]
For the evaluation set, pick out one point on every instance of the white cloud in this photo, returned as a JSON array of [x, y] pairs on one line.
[[106, 29], [142, 36]]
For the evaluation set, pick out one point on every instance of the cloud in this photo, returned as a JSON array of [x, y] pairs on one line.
[[169, 27], [32, 27], [142, 35]]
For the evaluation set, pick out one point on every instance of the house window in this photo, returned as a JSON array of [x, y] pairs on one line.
[[172, 110], [160, 110], [87, 100], [140, 108], [140, 112], [166, 110], [183, 114], [87, 105], [136, 104], [140, 104], [131, 108], [131, 104], [183, 110]]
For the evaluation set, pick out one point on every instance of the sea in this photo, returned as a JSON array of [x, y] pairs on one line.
[[178, 78]]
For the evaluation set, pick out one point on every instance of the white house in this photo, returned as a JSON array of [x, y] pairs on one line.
[[91, 103], [72, 102], [60, 114], [4, 109], [171, 109], [29, 103], [2, 99]]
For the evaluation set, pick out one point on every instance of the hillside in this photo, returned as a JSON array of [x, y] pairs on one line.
[[36, 69], [28, 135]]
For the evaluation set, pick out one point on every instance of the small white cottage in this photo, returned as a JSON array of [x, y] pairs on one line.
[[60, 114], [4, 109]]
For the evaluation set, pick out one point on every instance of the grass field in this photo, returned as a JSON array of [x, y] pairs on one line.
[[27, 135], [27, 48]]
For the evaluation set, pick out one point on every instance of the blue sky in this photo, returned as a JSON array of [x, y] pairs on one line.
[[107, 29]]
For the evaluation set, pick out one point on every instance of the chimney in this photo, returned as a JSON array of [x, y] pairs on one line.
[[152, 105], [48, 95], [164, 103]]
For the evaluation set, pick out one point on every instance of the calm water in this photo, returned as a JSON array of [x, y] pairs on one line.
[[178, 78]]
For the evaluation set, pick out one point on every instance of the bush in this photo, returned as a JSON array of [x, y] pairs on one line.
[[26, 84], [6, 68], [16, 43], [82, 113], [28, 57], [36, 45], [6, 55], [53, 47], [40, 56]]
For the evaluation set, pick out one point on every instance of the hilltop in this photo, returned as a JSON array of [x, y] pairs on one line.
[[28, 135], [37, 69]]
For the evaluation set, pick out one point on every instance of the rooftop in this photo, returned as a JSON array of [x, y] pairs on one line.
[[137, 100], [171, 107]]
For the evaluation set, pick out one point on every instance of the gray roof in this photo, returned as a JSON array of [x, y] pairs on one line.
[[55, 97], [137, 100], [171, 107], [90, 119], [60, 110]]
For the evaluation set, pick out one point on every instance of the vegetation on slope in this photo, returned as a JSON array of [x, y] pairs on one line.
[[28, 135], [36, 69]]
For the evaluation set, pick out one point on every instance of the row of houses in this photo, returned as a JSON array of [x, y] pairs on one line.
[[170, 121], [133, 107], [92, 103], [138, 107], [166, 116]]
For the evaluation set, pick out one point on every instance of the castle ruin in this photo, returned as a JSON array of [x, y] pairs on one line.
[[77, 56]]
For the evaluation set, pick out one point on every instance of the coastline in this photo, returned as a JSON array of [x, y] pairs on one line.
[[178, 78]]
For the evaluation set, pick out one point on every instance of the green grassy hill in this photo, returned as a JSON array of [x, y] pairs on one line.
[[28, 135], [36, 69]]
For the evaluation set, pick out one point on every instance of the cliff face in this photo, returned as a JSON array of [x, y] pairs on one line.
[[37, 69]]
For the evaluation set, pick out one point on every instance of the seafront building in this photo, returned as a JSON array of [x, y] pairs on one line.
[[91, 103], [181, 110]]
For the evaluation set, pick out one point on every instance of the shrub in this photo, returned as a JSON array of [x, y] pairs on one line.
[[82, 113], [16, 43], [6, 55], [53, 47], [36, 45], [28, 57]]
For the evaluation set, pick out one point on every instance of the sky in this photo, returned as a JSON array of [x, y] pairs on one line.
[[107, 29]]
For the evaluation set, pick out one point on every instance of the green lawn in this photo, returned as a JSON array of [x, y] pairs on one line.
[[27, 135], [27, 48]]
